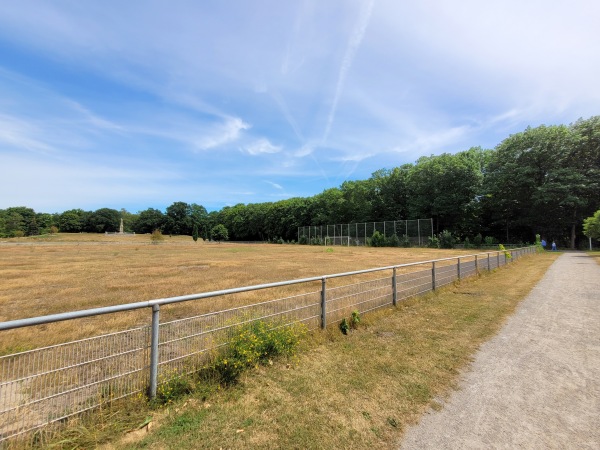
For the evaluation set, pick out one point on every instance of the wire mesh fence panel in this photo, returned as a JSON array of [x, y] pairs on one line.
[[50, 384], [186, 343], [467, 268], [446, 274], [363, 296], [411, 284]]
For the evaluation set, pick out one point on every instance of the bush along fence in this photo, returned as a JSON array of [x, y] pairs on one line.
[[47, 386]]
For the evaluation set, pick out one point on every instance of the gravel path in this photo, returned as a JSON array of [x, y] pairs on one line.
[[535, 385]]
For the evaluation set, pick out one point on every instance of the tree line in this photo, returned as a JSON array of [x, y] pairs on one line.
[[544, 180]]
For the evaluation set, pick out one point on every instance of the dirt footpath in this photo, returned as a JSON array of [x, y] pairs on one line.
[[536, 385]]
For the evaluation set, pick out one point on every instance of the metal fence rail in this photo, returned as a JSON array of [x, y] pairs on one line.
[[50, 384]]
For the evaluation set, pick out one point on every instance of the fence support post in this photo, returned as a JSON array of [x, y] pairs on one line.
[[489, 265], [154, 350], [323, 303], [458, 269], [394, 289], [433, 276], [498, 259], [476, 266]]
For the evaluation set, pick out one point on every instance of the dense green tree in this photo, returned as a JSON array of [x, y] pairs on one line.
[[72, 221], [33, 228], [148, 220], [103, 220], [390, 197], [357, 202], [199, 218], [179, 219], [545, 180], [327, 207], [16, 220], [591, 226], [446, 188], [45, 221], [219, 233]]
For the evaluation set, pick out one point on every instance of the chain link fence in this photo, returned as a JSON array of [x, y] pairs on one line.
[[416, 232], [45, 387]]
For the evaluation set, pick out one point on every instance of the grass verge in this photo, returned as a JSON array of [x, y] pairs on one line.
[[359, 390]]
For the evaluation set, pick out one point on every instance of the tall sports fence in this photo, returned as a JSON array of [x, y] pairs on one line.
[[49, 385], [417, 231]]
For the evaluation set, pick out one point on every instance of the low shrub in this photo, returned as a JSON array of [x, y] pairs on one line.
[[405, 242], [393, 241], [434, 242], [467, 243], [446, 239], [377, 240], [253, 344], [489, 240], [156, 237], [172, 386]]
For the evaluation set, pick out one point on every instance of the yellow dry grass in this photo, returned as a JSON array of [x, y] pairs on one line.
[[60, 273]]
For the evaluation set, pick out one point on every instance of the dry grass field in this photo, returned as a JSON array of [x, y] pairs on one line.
[[359, 391], [67, 272]]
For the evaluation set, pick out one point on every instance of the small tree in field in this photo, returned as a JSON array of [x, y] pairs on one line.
[[219, 233], [156, 237], [591, 226], [33, 229], [195, 233]]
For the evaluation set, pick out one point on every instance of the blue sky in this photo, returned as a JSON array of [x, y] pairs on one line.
[[139, 104]]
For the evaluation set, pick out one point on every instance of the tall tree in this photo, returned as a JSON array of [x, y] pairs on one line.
[[72, 221], [544, 180], [390, 198], [179, 219], [446, 188], [103, 220], [148, 220]]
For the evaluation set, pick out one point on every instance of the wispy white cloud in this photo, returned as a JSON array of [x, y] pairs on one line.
[[275, 185], [353, 45], [305, 150], [261, 146], [305, 93], [224, 133], [22, 134]]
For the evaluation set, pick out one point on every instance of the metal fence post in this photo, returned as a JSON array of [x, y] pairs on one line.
[[433, 276], [458, 269], [323, 303], [489, 265], [498, 259], [394, 289], [476, 266], [154, 350]]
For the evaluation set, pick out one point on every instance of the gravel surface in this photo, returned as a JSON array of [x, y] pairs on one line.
[[535, 385]]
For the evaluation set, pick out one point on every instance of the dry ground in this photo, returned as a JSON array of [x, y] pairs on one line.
[[67, 272]]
